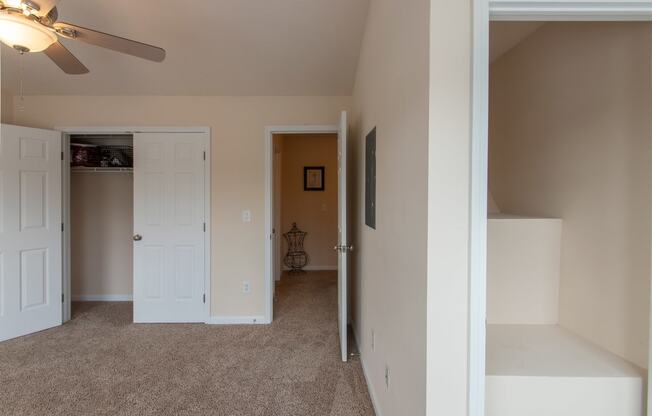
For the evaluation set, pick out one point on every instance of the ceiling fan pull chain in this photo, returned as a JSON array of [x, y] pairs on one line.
[[21, 104]]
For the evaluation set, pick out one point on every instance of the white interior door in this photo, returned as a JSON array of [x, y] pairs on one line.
[[30, 230], [169, 227], [277, 231], [343, 247]]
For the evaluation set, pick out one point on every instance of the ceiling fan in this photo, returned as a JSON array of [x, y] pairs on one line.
[[32, 26]]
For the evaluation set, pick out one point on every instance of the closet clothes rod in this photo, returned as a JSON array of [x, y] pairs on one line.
[[101, 169]]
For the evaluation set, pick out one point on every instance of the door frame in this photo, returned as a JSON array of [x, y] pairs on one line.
[[485, 11], [270, 131], [66, 133]]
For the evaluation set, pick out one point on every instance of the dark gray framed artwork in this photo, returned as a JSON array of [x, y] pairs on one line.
[[370, 179], [314, 178]]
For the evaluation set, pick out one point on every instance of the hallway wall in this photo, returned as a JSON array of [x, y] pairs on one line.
[[314, 212], [570, 137]]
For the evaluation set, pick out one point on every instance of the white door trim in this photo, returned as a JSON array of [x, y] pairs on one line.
[[67, 131], [270, 131], [570, 10], [484, 11], [478, 218]]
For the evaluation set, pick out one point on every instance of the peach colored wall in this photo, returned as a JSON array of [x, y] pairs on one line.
[[238, 166], [389, 263], [101, 216], [570, 137], [314, 212]]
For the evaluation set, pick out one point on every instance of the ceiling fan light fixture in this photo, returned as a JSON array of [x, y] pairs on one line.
[[21, 33], [16, 4]]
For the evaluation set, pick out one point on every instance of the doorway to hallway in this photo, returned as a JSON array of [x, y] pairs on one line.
[[315, 166]]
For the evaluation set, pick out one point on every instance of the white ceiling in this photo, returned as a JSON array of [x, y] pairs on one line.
[[504, 36], [214, 47]]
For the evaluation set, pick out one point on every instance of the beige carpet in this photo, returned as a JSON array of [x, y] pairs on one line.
[[102, 364]]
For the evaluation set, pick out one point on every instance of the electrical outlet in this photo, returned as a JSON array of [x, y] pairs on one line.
[[373, 340], [246, 286], [386, 377]]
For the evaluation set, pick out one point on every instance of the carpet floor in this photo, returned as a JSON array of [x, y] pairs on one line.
[[100, 363]]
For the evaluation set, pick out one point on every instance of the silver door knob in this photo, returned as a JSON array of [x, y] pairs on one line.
[[138, 237], [343, 248]]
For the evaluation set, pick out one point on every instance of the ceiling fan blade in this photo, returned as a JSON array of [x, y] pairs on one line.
[[104, 40], [65, 60], [52, 16]]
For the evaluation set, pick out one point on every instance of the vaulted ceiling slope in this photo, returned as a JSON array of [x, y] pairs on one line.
[[214, 47]]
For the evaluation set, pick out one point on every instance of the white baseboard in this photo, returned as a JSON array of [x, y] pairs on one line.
[[365, 372], [237, 320], [314, 268], [102, 298]]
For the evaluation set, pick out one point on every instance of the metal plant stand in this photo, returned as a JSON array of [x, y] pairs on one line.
[[296, 258]]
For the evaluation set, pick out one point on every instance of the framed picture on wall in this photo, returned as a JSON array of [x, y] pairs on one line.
[[314, 178]]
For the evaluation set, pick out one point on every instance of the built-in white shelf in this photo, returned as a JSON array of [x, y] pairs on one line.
[[543, 370], [534, 366], [101, 170]]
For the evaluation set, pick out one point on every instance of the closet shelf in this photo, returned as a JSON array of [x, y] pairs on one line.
[[101, 169]]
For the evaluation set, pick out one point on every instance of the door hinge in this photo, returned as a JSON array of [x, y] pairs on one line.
[[204, 154], [204, 227], [62, 297], [204, 297], [62, 156], [62, 227]]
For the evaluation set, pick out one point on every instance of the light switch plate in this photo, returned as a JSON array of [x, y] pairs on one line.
[[246, 216]]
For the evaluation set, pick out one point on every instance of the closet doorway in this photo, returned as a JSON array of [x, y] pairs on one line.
[[137, 221]]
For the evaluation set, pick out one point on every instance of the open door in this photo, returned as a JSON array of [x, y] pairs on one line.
[[277, 232], [343, 248], [30, 230], [169, 227]]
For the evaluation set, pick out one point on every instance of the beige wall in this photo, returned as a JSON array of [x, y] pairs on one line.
[[238, 166], [570, 137], [6, 108], [101, 216], [523, 257], [449, 166], [314, 212], [389, 263]]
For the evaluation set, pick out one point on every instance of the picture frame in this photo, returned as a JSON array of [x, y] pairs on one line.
[[314, 178]]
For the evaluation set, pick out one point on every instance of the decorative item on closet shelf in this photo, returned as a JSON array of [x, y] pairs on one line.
[[101, 158]]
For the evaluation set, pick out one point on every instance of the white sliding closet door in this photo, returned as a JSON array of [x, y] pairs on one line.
[[30, 230], [169, 227]]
